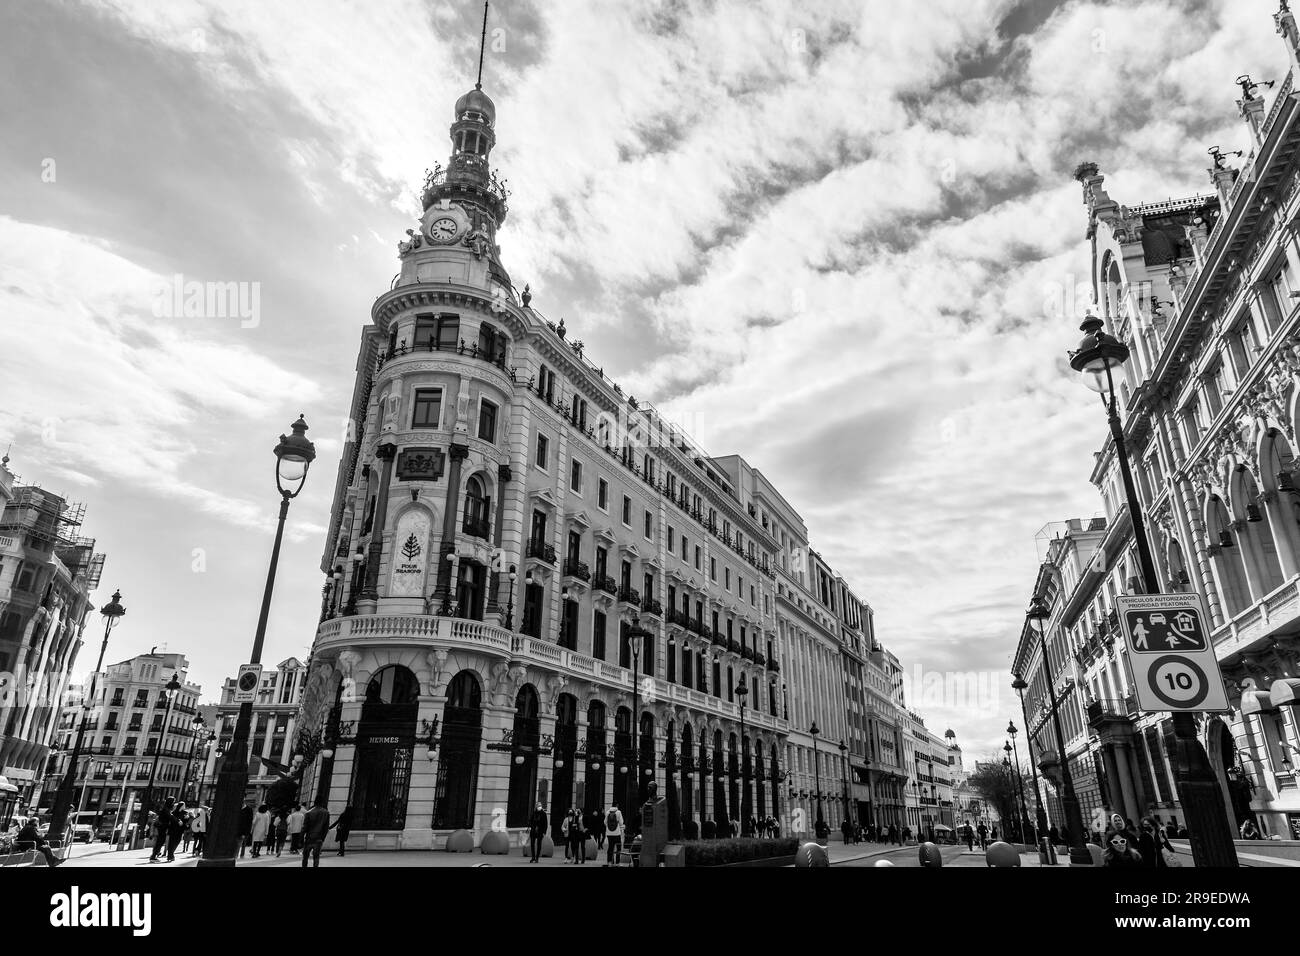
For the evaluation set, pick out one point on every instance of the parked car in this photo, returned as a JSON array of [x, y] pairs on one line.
[[83, 827]]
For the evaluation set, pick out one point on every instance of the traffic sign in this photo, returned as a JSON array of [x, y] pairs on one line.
[[246, 684], [1170, 650]]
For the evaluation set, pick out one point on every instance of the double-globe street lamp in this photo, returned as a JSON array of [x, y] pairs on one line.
[[1020, 781], [1211, 835], [196, 728], [817, 773], [112, 612], [636, 635], [170, 689], [746, 808], [293, 457]]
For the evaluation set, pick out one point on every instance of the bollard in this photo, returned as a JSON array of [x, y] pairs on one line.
[[929, 855], [811, 854], [1002, 855], [882, 863]]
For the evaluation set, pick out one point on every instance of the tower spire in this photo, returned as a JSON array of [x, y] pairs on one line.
[[482, 45]]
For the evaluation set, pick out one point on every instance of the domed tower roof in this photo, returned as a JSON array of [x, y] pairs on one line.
[[476, 101]]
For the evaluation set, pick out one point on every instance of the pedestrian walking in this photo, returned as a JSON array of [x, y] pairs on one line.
[[29, 838], [1119, 850], [199, 829], [180, 825], [536, 831], [162, 824], [577, 836], [187, 836], [983, 832], [598, 828], [295, 828], [970, 838], [993, 833], [281, 832], [316, 824], [245, 828], [261, 829], [614, 834], [344, 828]]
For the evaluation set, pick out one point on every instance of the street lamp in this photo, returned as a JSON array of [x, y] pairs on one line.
[[1198, 789], [1019, 685], [636, 634], [844, 769], [112, 613], [196, 728], [1020, 780], [169, 691], [746, 808], [293, 457], [818, 775]]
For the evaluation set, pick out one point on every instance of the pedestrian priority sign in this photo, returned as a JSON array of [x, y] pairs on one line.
[[1171, 653]]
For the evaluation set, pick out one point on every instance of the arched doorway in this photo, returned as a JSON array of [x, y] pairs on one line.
[[774, 771], [525, 737], [594, 789], [564, 748], [759, 791], [688, 775], [733, 778], [1226, 559], [672, 799], [381, 774], [704, 772], [462, 731], [623, 762]]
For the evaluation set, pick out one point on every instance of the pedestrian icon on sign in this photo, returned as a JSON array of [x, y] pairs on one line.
[[1154, 632]]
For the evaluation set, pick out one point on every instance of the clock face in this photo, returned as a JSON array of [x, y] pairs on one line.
[[442, 230]]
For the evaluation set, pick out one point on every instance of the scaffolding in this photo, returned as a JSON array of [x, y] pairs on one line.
[[45, 521]]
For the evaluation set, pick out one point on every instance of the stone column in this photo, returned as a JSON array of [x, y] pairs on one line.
[[418, 833], [492, 795], [386, 452], [446, 590]]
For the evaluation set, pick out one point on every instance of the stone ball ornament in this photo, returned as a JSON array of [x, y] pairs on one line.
[[460, 841], [495, 843], [928, 854], [882, 863], [811, 854], [1002, 854]]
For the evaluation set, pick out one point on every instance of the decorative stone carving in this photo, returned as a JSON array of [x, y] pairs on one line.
[[437, 660]]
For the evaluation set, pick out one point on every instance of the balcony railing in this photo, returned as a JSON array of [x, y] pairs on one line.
[[1112, 709], [652, 606], [603, 582], [772, 665], [542, 551], [679, 618], [629, 595], [476, 527], [576, 568]]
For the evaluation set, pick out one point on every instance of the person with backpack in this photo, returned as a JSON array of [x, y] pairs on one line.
[[598, 828], [614, 831], [536, 831]]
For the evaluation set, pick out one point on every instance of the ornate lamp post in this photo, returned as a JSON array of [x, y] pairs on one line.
[[196, 728], [844, 769], [1020, 780], [1019, 685], [742, 692], [169, 691], [510, 600], [112, 613], [1011, 783], [293, 456], [1198, 789], [635, 635], [817, 774]]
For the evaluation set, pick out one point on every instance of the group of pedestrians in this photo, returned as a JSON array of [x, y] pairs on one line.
[[1146, 845], [172, 823], [606, 828]]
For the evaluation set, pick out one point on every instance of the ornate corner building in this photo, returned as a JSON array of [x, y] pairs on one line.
[[1205, 292], [528, 570]]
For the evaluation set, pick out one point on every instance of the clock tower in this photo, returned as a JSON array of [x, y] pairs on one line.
[[463, 204]]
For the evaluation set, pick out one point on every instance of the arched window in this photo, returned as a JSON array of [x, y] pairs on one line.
[[478, 509], [1259, 550], [625, 768], [381, 771], [594, 794], [462, 731], [525, 737], [563, 798], [720, 815], [1229, 571], [471, 588]]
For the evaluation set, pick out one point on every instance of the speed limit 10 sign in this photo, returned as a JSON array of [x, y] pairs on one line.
[[1171, 652]]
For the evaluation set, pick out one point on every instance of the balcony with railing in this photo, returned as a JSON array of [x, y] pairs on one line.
[[678, 618], [603, 582], [476, 526], [652, 606], [542, 551], [577, 568], [629, 596], [1106, 710]]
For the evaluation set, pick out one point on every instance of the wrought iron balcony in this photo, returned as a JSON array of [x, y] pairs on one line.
[[477, 527], [652, 606], [577, 568], [1100, 711], [679, 618], [629, 595], [603, 582], [747, 653], [542, 551]]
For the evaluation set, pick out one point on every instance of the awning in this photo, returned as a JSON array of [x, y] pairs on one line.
[[940, 826], [6, 786]]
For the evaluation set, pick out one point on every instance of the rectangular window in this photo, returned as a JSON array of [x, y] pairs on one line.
[[602, 562], [487, 421], [726, 577], [648, 468], [602, 496], [697, 557], [598, 635], [546, 384], [575, 476], [671, 542], [543, 446], [448, 332], [649, 525], [683, 547], [627, 511], [713, 569], [427, 412], [426, 331]]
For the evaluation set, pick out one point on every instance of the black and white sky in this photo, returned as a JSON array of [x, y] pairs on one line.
[[840, 238]]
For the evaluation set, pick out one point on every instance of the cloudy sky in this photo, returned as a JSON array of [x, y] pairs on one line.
[[840, 238]]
